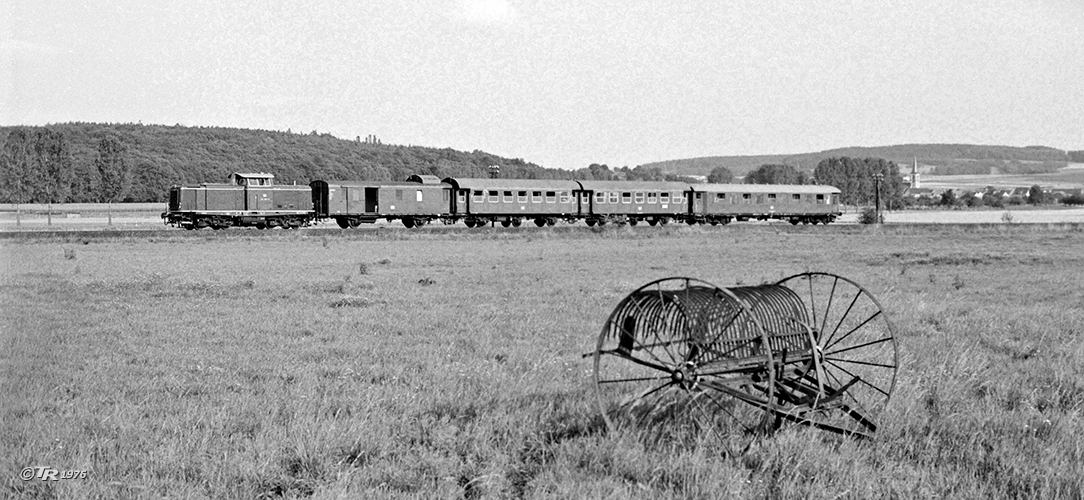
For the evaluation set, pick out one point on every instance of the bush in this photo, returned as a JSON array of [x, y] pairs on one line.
[[869, 216], [1075, 199]]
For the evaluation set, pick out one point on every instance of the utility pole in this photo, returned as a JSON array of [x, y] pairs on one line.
[[877, 196]]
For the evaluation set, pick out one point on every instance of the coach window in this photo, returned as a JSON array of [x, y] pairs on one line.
[[615, 197], [551, 196], [494, 196], [507, 197], [679, 197], [536, 196], [521, 197], [652, 198], [720, 196], [747, 198], [664, 197], [564, 197], [820, 199], [600, 197], [419, 194], [639, 198], [479, 196], [796, 197], [771, 196], [398, 194]]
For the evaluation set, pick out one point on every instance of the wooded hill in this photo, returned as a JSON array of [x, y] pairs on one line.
[[159, 156], [948, 159]]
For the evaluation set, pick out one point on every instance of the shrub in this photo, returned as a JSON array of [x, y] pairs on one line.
[[869, 216], [1075, 199]]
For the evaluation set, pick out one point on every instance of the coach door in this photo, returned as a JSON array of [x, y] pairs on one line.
[[371, 199], [696, 203]]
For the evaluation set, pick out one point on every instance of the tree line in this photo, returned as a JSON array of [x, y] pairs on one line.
[[108, 163]]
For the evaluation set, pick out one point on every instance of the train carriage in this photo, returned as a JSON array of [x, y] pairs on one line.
[[511, 201], [416, 202], [632, 201], [721, 203]]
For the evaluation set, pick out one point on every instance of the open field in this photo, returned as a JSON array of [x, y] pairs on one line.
[[1068, 177], [422, 364]]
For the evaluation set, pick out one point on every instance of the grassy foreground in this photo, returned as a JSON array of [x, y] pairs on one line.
[[418, 365]]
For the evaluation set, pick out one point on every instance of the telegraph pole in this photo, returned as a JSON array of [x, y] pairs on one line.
[[877, 196]]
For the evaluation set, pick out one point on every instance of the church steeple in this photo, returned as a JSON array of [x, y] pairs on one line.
[[914, 174]]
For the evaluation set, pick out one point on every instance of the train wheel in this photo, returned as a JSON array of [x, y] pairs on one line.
[[261, 225], [506, 223], [653, 222], [408, 222], [517, 222], [540, 222], [550, 222], [715, 222], [590, 222], [633, 222], [469, 222], [690, 221], [664, 221], [342, 222]]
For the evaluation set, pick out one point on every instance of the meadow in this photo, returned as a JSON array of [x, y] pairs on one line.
[[397, 364]]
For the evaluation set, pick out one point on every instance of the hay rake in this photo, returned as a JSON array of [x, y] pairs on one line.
[[815, 348]]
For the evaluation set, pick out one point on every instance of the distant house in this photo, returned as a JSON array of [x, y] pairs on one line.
[[920, 192], [1020, 191]]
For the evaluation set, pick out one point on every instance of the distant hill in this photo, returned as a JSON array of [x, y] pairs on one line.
[[161, 156], [950, 158]]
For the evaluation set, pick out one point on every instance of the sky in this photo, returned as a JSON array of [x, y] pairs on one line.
[[561, 83]]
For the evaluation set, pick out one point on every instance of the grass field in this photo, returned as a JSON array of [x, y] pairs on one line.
[[395, 364]]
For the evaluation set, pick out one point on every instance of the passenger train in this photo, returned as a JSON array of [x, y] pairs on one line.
[[253, 200]]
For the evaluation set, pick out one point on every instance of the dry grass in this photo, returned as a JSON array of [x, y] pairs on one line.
[[448, 365]]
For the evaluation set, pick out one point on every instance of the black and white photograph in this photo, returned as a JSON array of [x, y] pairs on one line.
[[527, 249]]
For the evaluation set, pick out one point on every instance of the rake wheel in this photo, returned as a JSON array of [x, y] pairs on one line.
[[683, 348]]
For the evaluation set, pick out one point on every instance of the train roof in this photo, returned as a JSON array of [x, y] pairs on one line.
[[634, 186], [528, 184], [379, 184], [765, 188]]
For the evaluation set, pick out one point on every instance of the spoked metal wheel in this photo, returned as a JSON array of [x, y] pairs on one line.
[[683, 351], [846, 384]]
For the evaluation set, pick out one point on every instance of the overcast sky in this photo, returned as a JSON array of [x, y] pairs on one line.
[[563, 83]]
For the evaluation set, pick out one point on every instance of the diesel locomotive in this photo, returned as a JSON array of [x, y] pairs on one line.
[[253, 200]]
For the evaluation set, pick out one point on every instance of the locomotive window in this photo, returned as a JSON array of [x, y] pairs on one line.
[[419, 195], [626, 197], [551, 196], [479, 196], [398, 194], [652, 197], [493, 198], [536, 196], [615, 197], [564, 197], [522, 196], [600, 197], [508, 198], [664, 197], [639, 198]]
